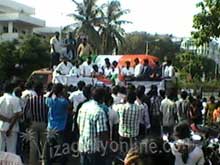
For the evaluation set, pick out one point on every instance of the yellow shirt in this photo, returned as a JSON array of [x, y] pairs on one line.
[[84, 50]]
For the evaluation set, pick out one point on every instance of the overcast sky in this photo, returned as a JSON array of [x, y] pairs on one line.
[[153, 16]]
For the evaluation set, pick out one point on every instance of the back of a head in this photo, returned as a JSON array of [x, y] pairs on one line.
[[38, 88], [8, 87], [29, 84], [58, 89], [182, 131], [81, 85], [151, 151], [184, 95], [87, 91], [140, 91], [131, 97], [115, 90], [98, 94]]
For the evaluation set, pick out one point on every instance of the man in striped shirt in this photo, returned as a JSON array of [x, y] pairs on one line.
[[36, 111], [129, 120], [93, 129]]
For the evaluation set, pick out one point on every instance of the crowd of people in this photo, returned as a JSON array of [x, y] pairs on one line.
[[98, 118], [77, 61], [123, 124]]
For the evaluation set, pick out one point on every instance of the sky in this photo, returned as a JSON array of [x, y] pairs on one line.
[[153, 16]]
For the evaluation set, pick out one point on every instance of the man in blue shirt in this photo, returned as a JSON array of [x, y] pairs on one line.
[[59, 107]]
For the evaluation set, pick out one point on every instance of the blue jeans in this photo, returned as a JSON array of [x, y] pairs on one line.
[[91, 159]]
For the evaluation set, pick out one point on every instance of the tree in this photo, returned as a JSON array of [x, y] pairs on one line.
[[110, 30], [88, 17], [8, 59], [21, 57], [158, 45], [207, 22], [193, 65], [33, 52]]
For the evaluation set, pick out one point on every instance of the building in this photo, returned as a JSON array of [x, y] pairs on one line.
[[18, 19], [211, 50]]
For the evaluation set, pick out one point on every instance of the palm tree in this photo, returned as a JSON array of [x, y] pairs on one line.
[[111, 31], [88, 17]]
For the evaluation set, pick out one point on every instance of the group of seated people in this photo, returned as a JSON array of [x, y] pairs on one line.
[[109, 70]]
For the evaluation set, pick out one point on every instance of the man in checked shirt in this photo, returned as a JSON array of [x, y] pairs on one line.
[[36, 111]]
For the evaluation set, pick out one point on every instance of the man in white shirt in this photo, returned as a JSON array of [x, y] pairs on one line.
[[138, 68], [55, 50], [77, 97], [10, 111], [28, 92], [75, 71], [169, 71], [127, 71], [86, 68], [64, 67]]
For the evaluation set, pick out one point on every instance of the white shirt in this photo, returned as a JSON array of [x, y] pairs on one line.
[[86, 69], [145, 119], [9, 106], [64, 69], [57, 45], [138, 69], [75, 71], [27, 94], [107, 71], [169, 71], [113, 120], [196, 157], [127, 71], [7, 158], [76, 98]]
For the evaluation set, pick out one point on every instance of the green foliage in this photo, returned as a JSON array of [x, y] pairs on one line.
[[192, 66], [33, 53], [20, 58], [206, 22], [158, 45], [110, 30], [8, 59], [101, 24]]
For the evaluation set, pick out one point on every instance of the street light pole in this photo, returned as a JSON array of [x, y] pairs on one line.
[[147, 47]]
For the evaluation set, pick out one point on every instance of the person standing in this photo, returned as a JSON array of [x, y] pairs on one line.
[[84, 49], [59, 107], [10, 112], [55, 50], [155, 113], [169, 71], [138, 68], [169, 112], [36, 111], [129, 120], [183, 107], [70, 44], [93, 130]]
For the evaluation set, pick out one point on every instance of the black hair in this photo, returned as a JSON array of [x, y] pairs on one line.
[[151, 151], [50, 87], [115, 90], [97, 94], [18, 91], [184, 95], [131, 97], [57, 89], [29, 84], [8, 87], [87, 91], [122, 90], [182, 130], [81, 85], [38, 88]]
